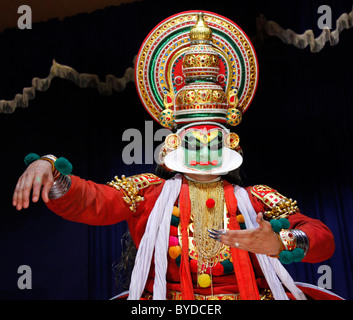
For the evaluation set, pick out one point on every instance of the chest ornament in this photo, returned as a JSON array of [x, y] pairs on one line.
[[208, 210]]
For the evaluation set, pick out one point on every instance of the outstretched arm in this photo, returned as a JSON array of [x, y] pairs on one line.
[[86, 202]]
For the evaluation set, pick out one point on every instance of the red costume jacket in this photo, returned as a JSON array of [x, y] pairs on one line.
[[96, 204]]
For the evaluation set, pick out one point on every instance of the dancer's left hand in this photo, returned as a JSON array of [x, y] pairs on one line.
[[261, 240]]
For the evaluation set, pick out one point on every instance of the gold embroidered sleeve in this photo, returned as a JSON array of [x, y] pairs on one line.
[[279, 205], [132, 186]]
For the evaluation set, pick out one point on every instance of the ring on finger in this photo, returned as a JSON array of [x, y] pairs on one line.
[[236, 244]]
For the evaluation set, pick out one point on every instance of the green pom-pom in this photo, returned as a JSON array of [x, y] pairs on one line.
[[242, 226], [175, 221], [227, 266], [276, 225], [285, 223], [178, 260], [63, 166], [298, 254], [31, 157], [286, 257]]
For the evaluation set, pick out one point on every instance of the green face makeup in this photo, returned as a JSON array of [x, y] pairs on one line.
[[203, 150]]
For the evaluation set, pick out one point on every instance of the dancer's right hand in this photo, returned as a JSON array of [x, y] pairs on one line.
[[37, 178]]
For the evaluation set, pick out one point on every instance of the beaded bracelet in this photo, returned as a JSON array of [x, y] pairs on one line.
[[291, 253]]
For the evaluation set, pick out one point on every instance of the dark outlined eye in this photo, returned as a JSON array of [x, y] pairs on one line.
[[191, 143], [218, 146], [215, 147]]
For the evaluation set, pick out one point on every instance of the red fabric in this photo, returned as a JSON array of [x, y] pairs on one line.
[[97, 204], [187, 291], [242, 265], [91, 203], [317, 294]]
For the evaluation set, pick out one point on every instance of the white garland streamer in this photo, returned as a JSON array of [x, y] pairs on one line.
[[83, 80], [112, 83], [301, 41], [155, 238]]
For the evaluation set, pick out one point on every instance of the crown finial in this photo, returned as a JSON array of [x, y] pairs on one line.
[[201, 31]]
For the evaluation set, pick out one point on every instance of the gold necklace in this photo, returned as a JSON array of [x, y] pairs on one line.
[[204, 217]]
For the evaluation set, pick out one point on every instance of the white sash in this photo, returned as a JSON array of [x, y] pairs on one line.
[[156, 237]]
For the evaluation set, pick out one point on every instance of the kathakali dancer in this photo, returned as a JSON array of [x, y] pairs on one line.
[[199, 235]]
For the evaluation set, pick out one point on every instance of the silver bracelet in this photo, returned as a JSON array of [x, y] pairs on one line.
[[60, 187], [301, 239]]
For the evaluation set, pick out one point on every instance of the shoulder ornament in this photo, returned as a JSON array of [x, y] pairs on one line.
[[145, 180], [279, 205], [131, 187]]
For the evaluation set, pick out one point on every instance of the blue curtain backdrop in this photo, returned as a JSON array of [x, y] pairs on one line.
[[297, 136]]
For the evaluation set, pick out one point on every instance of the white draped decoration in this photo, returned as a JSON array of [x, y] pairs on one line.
[[155, 238]]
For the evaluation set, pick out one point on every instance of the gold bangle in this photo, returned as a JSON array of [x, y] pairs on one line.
[[51, 159], [288, 239]]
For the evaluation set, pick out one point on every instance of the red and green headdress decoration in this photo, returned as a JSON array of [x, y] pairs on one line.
[[197, 68]]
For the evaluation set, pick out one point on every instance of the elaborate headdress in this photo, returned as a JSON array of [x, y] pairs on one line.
[[197, 69]]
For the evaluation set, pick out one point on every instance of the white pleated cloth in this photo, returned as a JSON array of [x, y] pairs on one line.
[[155, 238]]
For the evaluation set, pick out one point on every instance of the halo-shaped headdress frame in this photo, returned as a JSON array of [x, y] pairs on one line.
[[159, 62]]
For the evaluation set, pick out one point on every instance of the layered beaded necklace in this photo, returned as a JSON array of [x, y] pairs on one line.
[[208, 211]]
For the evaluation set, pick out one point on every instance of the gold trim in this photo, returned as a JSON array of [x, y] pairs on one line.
[[280, 206], [265, 294], [169, 81], [132, 186]]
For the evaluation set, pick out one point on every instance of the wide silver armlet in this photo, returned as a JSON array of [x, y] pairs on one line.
[[60, 187], [302, 240]]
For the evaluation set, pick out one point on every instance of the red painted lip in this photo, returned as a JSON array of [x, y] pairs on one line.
[[203, 163]]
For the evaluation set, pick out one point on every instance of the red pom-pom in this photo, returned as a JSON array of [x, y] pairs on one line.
[[173, 231], [210, 203], [173, 241], [217, 270]]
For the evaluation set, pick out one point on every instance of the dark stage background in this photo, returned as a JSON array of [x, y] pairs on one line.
[[296, 136]]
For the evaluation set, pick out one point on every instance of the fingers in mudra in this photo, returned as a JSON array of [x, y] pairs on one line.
[[231, 238], [259, 240]]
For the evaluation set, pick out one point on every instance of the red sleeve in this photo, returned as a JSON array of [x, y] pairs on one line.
[[321, 241], [92, 203]]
